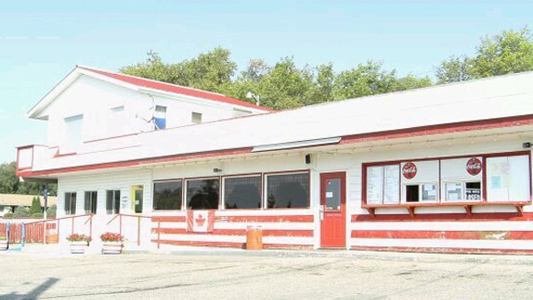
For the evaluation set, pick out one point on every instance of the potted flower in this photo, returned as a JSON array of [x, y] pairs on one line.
[[78, 243], [4, 243], [112, 243]]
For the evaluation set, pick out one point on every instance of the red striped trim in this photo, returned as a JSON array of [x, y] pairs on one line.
[[443, 250], [264, 219], [439, 129], [173, 219], [503, 216], [232, 232], [444, 235], [232, 245]]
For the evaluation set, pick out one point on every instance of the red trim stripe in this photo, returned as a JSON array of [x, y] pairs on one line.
[[455, 217], [444, 235], [265, 219], [238, 232], [443, 250], [173, 219], [233, 245]]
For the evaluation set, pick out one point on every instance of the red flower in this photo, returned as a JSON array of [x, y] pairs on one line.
[[111, 237]]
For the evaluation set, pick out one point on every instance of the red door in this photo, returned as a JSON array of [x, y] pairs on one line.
[[333, 209]]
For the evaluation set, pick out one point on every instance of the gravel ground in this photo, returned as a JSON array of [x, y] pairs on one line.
[[159, 276]]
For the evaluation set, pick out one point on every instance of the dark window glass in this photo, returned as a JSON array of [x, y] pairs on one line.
[[167, 195], [70, 203], [113, 202], [412, 193], [288, 191], [242, 192], [202, 194], [91, 198]]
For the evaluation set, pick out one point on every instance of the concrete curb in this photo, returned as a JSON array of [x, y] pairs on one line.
[[374, 255]]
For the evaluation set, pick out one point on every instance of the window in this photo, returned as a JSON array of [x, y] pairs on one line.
[[113, 202], [73, 134], [461, 178], [242, 192], [70, 203], [202, 194], [91, 198], [168, 195], [288, 191], [508, 178], [117, 121], [420, 181], [383, 184], [160, 117], [196, 118]]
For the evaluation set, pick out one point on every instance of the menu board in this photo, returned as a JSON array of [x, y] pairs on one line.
[[374, 185], [392, 184]]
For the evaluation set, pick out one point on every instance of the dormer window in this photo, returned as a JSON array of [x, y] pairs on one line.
[[196, 118], [73, 134], [160, 117]]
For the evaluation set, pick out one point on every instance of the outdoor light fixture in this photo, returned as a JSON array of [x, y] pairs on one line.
[[526, 145], [251, 95], [217, 170]]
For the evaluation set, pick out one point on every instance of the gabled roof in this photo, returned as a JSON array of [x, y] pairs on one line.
[[137, 83], [172, 88]]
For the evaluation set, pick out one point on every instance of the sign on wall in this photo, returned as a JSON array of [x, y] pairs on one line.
[[473, 166], [409, 170], [200, 220]]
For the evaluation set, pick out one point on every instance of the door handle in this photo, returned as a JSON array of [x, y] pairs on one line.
[[322, 212]]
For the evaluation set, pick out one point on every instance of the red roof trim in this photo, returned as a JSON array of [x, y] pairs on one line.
[[410, 132], [176, 89]]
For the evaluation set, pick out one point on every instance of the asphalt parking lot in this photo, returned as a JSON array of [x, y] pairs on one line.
[[172, 276]]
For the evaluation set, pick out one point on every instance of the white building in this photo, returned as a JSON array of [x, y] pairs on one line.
[[444, 168]]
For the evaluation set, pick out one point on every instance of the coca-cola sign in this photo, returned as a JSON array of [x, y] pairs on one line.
[[473, 166], [409, 170]]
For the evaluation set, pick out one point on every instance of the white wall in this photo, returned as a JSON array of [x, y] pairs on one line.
[[94, 99]]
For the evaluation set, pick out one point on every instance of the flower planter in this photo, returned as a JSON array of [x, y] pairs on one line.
[[112, 248], [4, 245], [78, 247]]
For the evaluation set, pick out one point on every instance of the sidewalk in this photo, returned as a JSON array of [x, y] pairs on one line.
[[58, 250]]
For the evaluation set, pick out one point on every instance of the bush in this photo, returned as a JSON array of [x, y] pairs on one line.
[[37, 215], [35, 206], [51, 211], [8, 215], [21, 212]]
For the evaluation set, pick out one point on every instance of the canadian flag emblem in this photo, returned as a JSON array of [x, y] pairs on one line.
[[200, 220]]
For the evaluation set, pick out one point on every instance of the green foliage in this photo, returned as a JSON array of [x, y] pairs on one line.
[[21, 212], [36, 207], [51, 211], [10, 184], [8, 215], [504, 53], [37, 215]]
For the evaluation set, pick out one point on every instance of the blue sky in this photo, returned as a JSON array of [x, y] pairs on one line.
[[41, 41]]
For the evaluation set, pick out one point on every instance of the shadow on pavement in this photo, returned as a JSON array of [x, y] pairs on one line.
[[33, 294]]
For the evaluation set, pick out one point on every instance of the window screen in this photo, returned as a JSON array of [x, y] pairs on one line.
[[70, 203], [113, 202], [288, 191], [242, 192], [202, 194], [91, 199], [508, 178], [168, 195]]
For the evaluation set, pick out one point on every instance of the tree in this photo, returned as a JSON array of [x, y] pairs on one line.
[[21, 212], [10, 184], [504, 53], [35, 206], [51, 211]]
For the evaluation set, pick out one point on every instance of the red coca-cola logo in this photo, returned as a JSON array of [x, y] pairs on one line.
[[409, 170], [473, 166]]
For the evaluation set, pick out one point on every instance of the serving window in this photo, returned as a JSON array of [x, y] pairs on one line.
[[481, 178]]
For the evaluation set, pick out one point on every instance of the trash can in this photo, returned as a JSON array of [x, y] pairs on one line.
[[254, 238]]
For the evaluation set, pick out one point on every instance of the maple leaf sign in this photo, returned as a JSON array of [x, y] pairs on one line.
[[200, 220]]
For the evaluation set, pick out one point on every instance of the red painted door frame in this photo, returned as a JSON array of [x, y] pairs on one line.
[[332, 221]]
